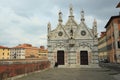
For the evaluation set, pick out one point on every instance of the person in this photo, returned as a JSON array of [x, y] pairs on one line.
[[56, 65]]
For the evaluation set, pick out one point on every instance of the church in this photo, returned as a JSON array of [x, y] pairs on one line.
[[73, 45]]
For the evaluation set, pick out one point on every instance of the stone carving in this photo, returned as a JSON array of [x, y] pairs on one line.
[[72, 38]]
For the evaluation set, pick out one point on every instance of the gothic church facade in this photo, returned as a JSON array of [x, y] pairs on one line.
[[73, 44]]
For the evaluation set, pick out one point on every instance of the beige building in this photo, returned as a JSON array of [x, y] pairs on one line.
[[4, 52], [102, 47], [24, 51], [43, 53], [17, 53]]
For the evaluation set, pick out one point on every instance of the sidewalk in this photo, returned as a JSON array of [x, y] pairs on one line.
[[117, 77], [72, 74], [114, 67]]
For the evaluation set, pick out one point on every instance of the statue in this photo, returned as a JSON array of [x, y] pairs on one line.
[[71, 10]]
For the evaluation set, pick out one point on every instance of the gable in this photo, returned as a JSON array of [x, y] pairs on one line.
[[71, 21], [71, 25], [83, 32], [59, 33]]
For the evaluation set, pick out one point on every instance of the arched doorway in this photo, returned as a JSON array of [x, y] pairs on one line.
[[60, 57], [84, 57]]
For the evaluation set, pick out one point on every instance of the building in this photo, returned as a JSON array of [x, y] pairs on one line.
[[17, 53], [4, 52], [73, 44], [43, 53], [102, 47], [24, 51], [118, 6], [113, 38]]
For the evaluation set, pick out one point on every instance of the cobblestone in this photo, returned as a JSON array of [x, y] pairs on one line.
[[71, 74]]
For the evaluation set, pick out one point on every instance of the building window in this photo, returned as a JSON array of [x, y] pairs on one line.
[[118, 44], [119, 33], [109, 47], [3, 53], [113, 34], [8, 53], [119, 21], [112, 24]]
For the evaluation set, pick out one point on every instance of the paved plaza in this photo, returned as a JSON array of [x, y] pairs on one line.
[[73, 74]]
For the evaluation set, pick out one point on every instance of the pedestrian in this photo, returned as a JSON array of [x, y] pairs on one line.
[[56, 65]]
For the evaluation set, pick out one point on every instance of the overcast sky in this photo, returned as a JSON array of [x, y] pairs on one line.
[[25, 21]]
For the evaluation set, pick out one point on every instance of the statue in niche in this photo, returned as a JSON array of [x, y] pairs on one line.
[[71, 32]]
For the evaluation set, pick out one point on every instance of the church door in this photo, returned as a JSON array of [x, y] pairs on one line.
[[60, 57], [84, 57]]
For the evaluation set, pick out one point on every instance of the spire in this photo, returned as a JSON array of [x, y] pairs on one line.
[[82, 16], [49, 27], [94, 22], [60, 17], [95, 28], [71, 10]]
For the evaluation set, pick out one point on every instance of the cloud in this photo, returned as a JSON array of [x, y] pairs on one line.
[[25, 21], [19, 29]]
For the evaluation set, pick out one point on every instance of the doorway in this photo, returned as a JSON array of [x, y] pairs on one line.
[[60, 57], [84, 57]]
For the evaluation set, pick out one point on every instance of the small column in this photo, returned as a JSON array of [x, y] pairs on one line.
[[71, 11], [82, 16], [60, 17], [49, 27], [95, 28]]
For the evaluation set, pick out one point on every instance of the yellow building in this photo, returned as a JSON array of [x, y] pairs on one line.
[[102, 47], [43, 53], [4, 52]]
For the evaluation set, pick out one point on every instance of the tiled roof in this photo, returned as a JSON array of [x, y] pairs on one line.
[[112, 17], [24, 47], [3, 47], [18, 47]]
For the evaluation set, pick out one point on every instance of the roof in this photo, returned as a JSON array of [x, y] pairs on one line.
[[102, 34], [3, 47], [24, 47], [113, 17], [18, 47], [118, 5]]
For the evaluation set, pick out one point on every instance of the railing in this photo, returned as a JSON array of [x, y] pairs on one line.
[[13, 68]]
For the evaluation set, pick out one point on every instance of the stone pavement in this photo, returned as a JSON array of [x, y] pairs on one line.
[[112, 66], [73, 74], [117, 77]]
